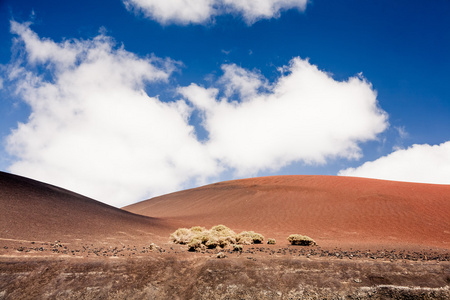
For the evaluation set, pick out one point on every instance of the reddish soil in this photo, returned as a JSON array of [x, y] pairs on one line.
[[335, 211], [56, 244]]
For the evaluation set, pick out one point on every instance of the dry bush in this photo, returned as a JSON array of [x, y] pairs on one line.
[[203, 236], [181, 236], [244, 240], [302, 240], [249, 237], [271, 241], [238, 248], [212, 243], [195, 244], [222, 236], [198, 229], [198, 238], [224, 241], [222, 230]]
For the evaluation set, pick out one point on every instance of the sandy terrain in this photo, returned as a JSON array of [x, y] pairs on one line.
[[334, 211], [377, 239]]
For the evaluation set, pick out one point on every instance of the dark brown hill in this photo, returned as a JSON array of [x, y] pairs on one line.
[[35, 211]]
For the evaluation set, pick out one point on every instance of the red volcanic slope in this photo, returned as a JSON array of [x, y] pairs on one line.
[[335, 211], [35, 211]]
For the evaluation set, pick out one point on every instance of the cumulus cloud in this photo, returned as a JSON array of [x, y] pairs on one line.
[[200, 11], [241, 82], [93, 128], [254, 10], [418, 163], [305, 116], [174, 11]]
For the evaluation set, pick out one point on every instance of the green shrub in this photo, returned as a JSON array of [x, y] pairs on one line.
[[271, 241], [302, 240]]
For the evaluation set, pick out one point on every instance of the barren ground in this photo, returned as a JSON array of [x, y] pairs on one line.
[[252, 274], [377, 240]]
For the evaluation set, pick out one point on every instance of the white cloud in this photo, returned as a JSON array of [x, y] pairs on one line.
[[306, 116], [93, 129], [402, 133], [254, 10], [174, 11], [43, 51], [241, 82], [201, 11], [418, 163]]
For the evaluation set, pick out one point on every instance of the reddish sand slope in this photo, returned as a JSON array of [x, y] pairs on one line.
[[35, 211], [335, 211]]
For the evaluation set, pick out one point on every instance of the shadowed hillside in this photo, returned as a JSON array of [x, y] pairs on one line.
[[32, 210]]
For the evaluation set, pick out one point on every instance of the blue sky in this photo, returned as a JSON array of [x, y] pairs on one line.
[[123, 100]]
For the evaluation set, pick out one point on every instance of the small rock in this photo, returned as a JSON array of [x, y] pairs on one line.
[[153, 246], [221, 255]]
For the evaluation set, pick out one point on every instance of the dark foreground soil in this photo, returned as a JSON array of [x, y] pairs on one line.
[[258, 272]]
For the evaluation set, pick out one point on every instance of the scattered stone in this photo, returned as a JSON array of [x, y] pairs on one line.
[[153, 247]]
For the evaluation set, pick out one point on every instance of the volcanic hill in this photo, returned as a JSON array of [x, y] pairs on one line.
[[56, 244], [36, 211], [335, 211]]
